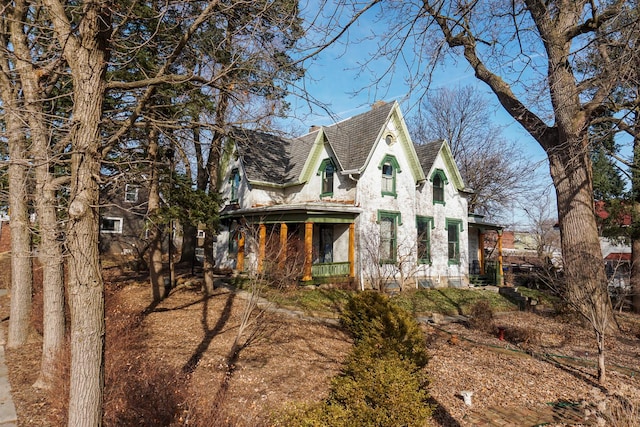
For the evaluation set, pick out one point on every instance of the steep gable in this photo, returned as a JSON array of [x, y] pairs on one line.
[[272, 159], [428, 153]]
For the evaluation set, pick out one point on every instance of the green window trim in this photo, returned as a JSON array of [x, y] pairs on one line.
[[390, 168], [327, 165], [438, 180], [424, 225], [454, 228], [234, 179], [388, 238]]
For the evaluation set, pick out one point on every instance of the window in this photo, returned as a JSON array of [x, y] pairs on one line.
[[111, 225], [424, 225], [438, 179], [454, 226], [389, 222], [326, 244], [390, 168], [327, 170], [200, 234], [131, 193], [235, 184]]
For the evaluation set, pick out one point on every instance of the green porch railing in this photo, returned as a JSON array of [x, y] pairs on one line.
[[332, 269]]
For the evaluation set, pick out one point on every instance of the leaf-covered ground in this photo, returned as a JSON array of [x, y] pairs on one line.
[[543, 360]]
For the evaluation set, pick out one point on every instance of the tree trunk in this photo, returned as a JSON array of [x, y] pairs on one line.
[[188, 249], [85, 52], [50, 251], [21, 265], [635, 226], [155, 248], [583, 266]]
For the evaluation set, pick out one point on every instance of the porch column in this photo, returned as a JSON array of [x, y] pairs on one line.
[[240, 260], [352, 250], [500, 271], [308, 249], [283, 243], [481, 251], [262, 233]]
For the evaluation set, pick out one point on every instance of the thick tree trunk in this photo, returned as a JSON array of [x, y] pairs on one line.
[[21, 272], [635, 226], [50, 251], [85, 51], [155, 248], [583, 266]]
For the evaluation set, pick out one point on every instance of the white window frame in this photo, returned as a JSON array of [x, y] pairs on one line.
[[130, 189], [118, 221], [201, 234]]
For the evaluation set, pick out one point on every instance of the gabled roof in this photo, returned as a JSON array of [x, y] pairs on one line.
[[427, 154], [271, 158], [353, 139], [274, 160]]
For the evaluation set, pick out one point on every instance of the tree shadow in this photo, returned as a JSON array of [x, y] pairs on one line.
[[209, 333], [441, 414]]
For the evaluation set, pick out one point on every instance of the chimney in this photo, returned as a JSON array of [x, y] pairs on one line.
[[313, 128], [377, 104]]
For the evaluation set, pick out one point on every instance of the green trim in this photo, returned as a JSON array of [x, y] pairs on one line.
[[393, 162], [426, 220], [438, 173], [396, 220], [322, 172], [452, 168], [455, 260], [404, 138], [300, 217], [234, 190], [313, 158]]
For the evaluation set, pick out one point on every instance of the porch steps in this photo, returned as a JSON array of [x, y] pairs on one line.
[[524, 303], [479, 280]]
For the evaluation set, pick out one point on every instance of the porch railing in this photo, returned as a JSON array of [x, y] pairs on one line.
[[330, 269]]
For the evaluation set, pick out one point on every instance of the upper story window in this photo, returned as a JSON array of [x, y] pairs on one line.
[[327, 170], [424, 224], [131, 193], [111, 225], [438, 179], [390, 168], [235, 185], [454, 227]]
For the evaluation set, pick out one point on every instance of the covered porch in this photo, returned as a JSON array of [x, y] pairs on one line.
[[485, 263], [312, 242]]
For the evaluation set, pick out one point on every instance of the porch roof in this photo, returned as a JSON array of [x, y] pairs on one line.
[[478, 221], [302, 212]]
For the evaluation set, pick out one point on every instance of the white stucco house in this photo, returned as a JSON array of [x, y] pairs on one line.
[[356, 201]]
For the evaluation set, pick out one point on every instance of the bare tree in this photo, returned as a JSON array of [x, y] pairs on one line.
[[496, 169]]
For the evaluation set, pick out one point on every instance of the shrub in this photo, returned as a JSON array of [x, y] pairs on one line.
[[481, 316], [370, 392], [378, 327]]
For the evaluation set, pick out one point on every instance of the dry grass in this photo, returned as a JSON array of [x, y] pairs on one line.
[[175, 356]]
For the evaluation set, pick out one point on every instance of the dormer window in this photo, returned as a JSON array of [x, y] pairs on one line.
[[389, 167], [131, 193], [438, 179], [327, 170], [235, 185]]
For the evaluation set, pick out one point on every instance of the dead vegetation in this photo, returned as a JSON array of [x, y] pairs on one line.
[[168, 364]]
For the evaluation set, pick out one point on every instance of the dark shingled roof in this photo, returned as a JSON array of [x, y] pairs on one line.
[[427, 154], [271, 158], [278, 160], [353, 139]]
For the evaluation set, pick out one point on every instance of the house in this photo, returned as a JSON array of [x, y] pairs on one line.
[[123, 209], [356, 200]]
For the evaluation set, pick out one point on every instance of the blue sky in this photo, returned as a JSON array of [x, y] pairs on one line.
[[335, 78]]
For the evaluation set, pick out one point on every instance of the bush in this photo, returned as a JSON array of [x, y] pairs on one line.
[[481, 316], [380, 327], [370, 392]]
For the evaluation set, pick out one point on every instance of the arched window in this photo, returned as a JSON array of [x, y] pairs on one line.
[[327, 170], [438, 179], [390, 168]]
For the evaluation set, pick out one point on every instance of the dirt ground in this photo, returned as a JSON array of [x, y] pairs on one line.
[[289, 359]]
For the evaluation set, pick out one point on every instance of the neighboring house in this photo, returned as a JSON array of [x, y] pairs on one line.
[[355, 200], [123, 209], [617, 259]]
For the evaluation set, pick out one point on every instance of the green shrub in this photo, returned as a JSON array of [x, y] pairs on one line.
[[379, 327], [370, 392]]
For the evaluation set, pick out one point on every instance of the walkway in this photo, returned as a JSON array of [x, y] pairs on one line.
[[8, 417]]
